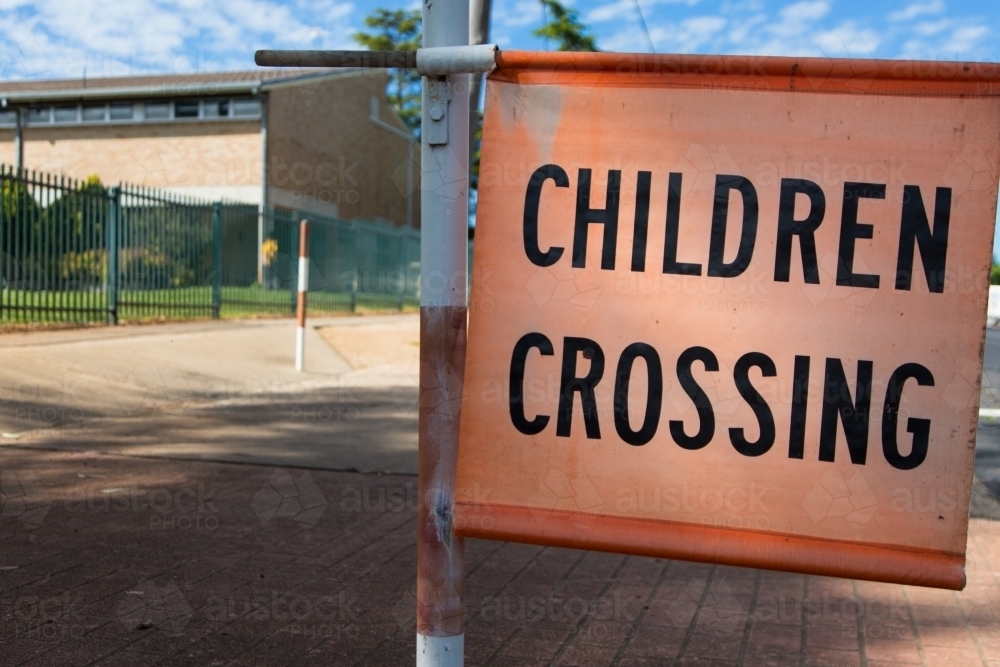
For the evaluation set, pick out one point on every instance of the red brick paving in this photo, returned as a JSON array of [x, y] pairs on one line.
[[250, 565]]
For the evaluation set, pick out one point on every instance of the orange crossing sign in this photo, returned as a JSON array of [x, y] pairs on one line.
[[731, 310]]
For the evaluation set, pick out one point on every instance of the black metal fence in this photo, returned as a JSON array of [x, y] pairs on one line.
[[79, 251]]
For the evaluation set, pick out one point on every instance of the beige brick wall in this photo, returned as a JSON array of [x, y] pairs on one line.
[[176, 155], [325, 155]]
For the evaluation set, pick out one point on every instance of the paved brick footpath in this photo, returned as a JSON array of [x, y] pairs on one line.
[[127, 561]]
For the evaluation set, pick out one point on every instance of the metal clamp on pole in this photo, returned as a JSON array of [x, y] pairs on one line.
[[444, 60], [437, 92]]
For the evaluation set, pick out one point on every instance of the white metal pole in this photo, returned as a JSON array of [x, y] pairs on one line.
[[18, 140], [444, 212], [479, 33], [300, 306]]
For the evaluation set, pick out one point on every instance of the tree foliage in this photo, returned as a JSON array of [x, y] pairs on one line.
[[397, 30], [61, 240], [477, 143], [16, 203], [76, 220], [565, 29]]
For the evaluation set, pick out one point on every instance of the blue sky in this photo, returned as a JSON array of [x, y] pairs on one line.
[[60, 39]]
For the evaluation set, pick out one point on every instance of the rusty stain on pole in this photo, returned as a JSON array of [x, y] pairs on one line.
[[444, 205], [300, 306]]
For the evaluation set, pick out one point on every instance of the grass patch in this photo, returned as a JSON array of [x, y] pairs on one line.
[[182, 303]]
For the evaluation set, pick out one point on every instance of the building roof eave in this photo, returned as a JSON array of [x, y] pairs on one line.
[[131, 92], [201, 88], [312, 77]]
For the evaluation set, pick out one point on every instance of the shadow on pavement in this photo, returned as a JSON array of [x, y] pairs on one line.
[[363, 429]]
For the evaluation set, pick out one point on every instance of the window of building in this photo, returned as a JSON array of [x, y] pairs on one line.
[[216, 108], [246, 107], [38, 115], [122, 111], [94, 113], [67, 114], [157, 110], [186, 109]]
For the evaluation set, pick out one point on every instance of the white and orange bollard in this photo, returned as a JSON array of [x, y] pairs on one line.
[[300, 306]]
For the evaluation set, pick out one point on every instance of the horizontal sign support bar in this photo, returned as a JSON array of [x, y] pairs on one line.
[[711, 544], [366, 59], [437, 61]]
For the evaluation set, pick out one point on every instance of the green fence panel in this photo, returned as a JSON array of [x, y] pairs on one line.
[[165, 256], [78, 251], [53, 259]]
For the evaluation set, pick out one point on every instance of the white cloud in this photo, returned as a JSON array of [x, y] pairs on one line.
[[46, 38], [523, 13], [699, 30], [687, 36], [795, 19], [947, 38], [743, 30], [965, 39], [848, 40], [801, 12], [918, 9], [615, 10], [921, 29], [796, 30], [609, 11], [929, 28]]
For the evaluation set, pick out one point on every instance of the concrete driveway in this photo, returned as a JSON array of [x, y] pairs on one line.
[[223, 391]]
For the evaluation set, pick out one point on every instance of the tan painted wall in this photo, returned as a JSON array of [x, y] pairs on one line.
[[325, 155], [176, 155]]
